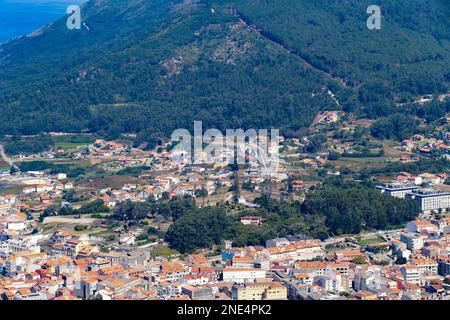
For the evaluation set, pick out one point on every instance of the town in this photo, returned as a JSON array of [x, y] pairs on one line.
[[91, 218]]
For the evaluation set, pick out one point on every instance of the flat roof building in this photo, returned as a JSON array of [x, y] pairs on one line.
[[398, 190], [430, 199]]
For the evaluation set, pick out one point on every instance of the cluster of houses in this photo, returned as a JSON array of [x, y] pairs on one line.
[[63, 266], [426, 145], [12, 220]]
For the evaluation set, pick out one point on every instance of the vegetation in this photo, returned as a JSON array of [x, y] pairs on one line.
[[397, 126], [96, 206], [416, 167], [72, 171], [30, 145], [355, 208], [331, 210], [164, 63]]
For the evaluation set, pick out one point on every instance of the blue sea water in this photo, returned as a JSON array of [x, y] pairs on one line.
[[21, 17]]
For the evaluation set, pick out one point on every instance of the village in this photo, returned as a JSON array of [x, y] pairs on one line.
[[60, 238]]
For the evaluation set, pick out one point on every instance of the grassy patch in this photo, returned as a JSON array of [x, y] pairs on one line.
[[365, 242], [165, 251], [72, 141]]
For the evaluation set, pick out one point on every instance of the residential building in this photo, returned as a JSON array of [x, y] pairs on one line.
[[242, 275], [261, 290]]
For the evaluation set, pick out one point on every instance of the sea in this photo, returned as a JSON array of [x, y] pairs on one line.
[[21, 17]]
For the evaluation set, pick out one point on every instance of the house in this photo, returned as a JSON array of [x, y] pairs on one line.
[[261, 290], [366, 295], [297, 185], [196, 260], [405, 178], [4, 207], [413, 241], [330, 281], [348, 255], [425, 266], [295, 250], [243, 262], [277, 242], [410, 274], [430, 179], [86, 288], [16, 222], [127, 239], [252, 220], [29, 189], [173, 270], [198, 292], [420, 225]]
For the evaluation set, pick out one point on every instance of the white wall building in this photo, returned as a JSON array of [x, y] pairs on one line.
[[241, 275]]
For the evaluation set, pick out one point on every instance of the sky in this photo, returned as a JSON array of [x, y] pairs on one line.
[[21, 17]]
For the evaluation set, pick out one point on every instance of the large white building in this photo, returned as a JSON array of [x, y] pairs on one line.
[[241, 275], [430, 199], [398, 190]]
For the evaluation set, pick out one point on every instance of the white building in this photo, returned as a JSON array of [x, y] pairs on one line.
[[413, 241], [410, 274], [330, 281], [241, 275], [398, 190], [430, 199], [427, 267], [420, 225]]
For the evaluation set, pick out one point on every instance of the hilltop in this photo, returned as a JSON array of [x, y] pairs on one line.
[[153, 66]]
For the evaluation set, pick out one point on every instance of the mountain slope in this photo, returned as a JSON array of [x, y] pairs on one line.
[[154, 66]]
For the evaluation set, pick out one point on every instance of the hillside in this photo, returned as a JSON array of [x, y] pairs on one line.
[[154, 66]]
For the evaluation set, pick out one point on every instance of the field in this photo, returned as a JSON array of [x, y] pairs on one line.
[[365, 242], [11, 189], [72, 141], [165, 251]]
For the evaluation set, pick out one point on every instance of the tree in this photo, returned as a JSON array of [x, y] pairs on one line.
[[333, 156], [203, 193], [199, 229], [359, 260], [401, 260]]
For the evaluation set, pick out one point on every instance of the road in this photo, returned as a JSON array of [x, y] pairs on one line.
[[61, 219], [6, 159]]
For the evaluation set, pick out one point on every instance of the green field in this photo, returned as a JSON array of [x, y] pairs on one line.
[[164, 251], [72, 141], [365, 242]]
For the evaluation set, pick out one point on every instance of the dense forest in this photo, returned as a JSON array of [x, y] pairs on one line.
[[153, 66], [334, 209]]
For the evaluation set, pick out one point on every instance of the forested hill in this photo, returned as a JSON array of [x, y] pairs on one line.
[[153, 66]]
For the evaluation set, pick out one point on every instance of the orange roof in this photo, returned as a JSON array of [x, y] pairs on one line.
[[172, 267], [423, 261], [242, 259], [311, 265]]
